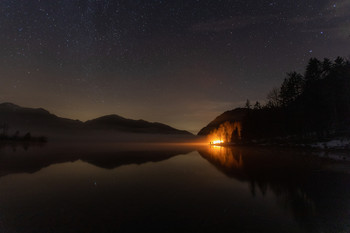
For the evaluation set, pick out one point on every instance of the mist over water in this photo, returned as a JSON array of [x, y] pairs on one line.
[[170, 187]]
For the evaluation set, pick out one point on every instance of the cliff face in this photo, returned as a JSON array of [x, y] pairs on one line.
[[235, 115]]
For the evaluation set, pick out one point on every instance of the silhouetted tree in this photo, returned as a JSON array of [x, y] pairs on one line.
[[291, 88], [273, 98], [257, 105], [313, 71], [15, 135], [27, 136], [235, 134], [326, 67], [316, 104], [339, 61], [248, 105], [4, 128]]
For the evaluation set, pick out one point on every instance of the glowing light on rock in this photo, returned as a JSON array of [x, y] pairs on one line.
[[225, 133]]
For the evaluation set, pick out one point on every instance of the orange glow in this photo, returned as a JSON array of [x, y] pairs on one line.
[[225, 132], [217, 142], [225, 156]]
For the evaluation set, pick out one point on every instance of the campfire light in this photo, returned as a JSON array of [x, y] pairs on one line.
[[216, 142]]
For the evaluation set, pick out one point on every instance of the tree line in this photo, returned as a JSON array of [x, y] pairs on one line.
[[313, 104], [4, 135]]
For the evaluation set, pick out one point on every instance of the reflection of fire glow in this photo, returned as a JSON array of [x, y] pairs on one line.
[[225, 156], [225, 133]]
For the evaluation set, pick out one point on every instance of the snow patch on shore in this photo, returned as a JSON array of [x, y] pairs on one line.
[[343, 143]]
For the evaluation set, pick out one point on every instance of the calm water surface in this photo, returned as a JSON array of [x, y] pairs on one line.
[[170, 188]]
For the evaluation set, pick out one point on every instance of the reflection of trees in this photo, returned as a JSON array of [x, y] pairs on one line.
[[226, 132], [19, 145], [225, 157], [317, 199]]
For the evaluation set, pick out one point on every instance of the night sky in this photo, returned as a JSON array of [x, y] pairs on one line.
[[177, 62]]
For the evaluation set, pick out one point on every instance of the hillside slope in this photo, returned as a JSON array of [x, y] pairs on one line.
[[231, 116]]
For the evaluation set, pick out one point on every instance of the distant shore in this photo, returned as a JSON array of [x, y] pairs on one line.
[[329, 145], [26, 138]]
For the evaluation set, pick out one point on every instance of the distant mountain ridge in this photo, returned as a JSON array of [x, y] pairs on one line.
[[31, 118], [116, 122], [39, 119]]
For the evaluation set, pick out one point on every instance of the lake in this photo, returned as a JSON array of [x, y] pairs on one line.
[[171, 188]]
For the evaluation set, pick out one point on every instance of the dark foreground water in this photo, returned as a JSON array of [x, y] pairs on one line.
[[170, 188]]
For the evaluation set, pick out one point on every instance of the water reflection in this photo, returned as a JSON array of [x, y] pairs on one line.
[[224, 157], [317, 197], [20, 145], [30, 158], [169, 188]]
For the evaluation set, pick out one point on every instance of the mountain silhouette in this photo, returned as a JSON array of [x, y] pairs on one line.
[[115, 122], [28, 119], [40, 121]]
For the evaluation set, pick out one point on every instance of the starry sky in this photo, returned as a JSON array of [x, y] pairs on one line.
[[179, 62]]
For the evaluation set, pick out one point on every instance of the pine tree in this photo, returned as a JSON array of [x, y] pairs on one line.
[[248, 105]]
